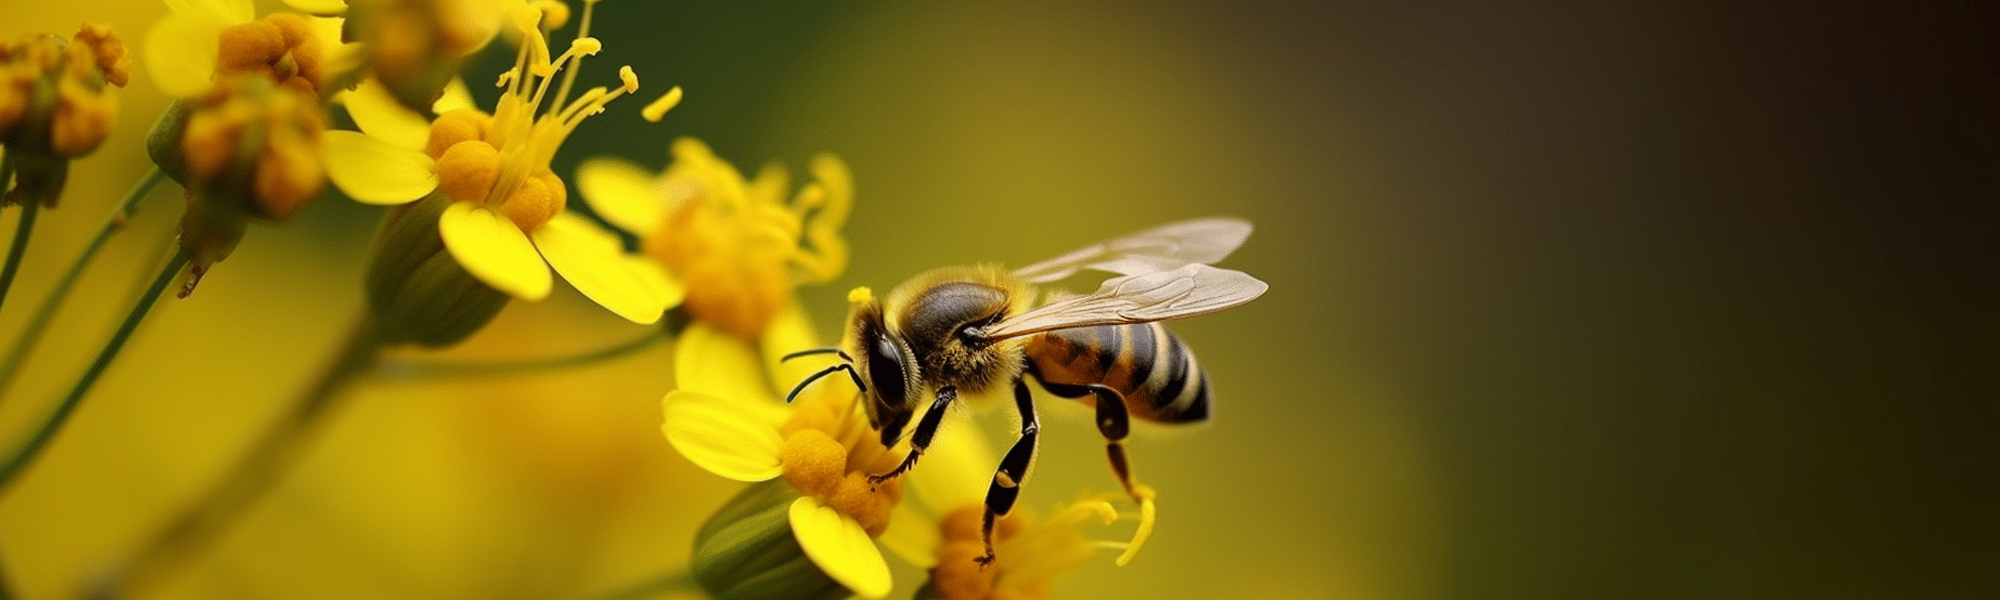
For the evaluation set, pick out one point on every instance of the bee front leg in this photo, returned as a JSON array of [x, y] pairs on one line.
[[1013, 471], [920, 438]]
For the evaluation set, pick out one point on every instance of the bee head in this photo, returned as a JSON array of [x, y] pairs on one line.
[[886, 363]]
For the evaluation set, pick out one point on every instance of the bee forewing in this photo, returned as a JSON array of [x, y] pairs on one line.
[[1191, 290], [1196, 241]]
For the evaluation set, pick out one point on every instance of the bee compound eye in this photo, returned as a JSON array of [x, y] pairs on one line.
[[885, 373]]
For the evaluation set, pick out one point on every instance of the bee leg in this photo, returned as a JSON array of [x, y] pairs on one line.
[[1112, 421], [920, 438], [1013, 470]]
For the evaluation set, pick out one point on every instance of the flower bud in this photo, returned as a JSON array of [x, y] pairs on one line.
[[247, 148], [418, 292], [747, 550], [56, 104], [416, 47]]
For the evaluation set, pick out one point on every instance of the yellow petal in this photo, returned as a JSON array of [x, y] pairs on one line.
[[456, 96], [712, 361], [594, 261], [374, 172], [180, 52], [912, 536], [492, 249], [336, 57], [840, 547], [623, 193], [378, 114], [720, 435], [322, 8]]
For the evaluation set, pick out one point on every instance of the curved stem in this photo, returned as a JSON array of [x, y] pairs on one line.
[[269, 458], [19, 247], [672, 580], [36, 441], [444, 368], [45, 314]]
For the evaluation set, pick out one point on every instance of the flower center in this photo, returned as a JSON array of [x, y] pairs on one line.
[[502, 161], [827, 455]]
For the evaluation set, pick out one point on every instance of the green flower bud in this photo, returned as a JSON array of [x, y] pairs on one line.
[[417, 291], [747, 550], [416, 47], [248, 148]]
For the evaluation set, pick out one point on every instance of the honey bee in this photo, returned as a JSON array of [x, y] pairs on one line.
[[968, 330]]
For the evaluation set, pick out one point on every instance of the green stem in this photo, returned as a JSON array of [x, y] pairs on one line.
[[31, 448], [19, 248], [269, 458], [438, 368], [6, 588], [45, 314], [670, 581]]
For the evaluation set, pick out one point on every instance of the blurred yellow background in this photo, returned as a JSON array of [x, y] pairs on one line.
[[1568, 300]]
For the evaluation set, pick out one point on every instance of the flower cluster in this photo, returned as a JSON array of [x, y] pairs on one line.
[[473, 216], [56, 105]]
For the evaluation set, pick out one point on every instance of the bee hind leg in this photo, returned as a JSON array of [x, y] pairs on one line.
[[1013, 471], [1114, 423]]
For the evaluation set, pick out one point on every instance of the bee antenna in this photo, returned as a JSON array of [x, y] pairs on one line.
[[827, 350], [822, 373]]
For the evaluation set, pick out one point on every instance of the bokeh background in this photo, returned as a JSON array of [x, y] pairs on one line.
[[1569, 300]]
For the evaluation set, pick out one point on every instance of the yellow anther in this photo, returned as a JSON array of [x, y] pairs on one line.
[[813, 462], [629, 78], [467, 169], [586, 46], [658, 109], [507, 77], [554, 14], [867, 503], [860, 295], [454, 127]]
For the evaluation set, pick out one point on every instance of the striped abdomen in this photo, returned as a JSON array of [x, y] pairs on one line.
[[1156, 373]]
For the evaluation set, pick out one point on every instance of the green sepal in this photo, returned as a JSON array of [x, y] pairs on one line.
[[747, 551]]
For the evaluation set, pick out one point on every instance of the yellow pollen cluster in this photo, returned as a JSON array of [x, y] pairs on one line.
[[82, 71], [282, 45], [469, 165], [837, 470], [285, 172]]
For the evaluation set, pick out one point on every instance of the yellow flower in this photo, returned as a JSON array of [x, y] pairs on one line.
[[739, 246], [506, 224], [202, 38], [1029, 552], [414, 48], [727, 417]]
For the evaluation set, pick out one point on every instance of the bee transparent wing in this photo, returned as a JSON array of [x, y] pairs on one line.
[[1196, 241], [1188, 291]]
